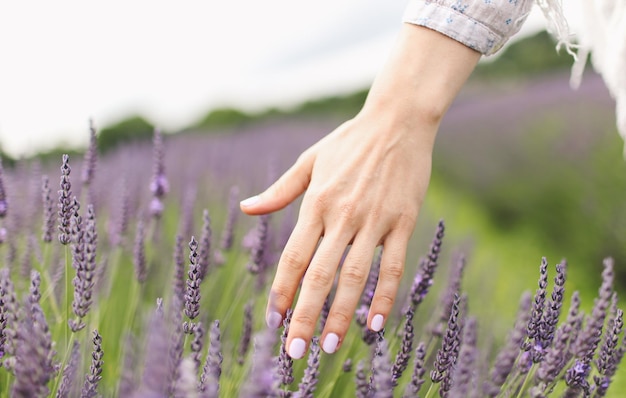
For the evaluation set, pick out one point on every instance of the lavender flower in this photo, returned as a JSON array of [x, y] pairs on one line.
[[231, 219], [77, 236], [85, 273], [212, 370], [119, 226], [192, 295], [424, 278], [260, 246], [381, 381], [4, 206], [324, 314], [589, 339], [159, 185], [69, 372], [262, 381], [34, 366], [285, 362], [609, 356], [197, 345], [48, 212], [536, 317], [368, 291], [347, 366], [91, 156], [406, 347], [505, 360], [139, 254], [8, 317], [65, 202], [205, 244], [128, 379], [417, 377], [447, 298], [179, 269], [446, 354], [553, 310], [307, 385], [90, 389], [186, 385], [176, 340], [244, 342], [361, 381], [155, 381], [465, 370]]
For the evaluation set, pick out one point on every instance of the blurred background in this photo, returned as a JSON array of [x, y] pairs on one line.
[[524, 166]]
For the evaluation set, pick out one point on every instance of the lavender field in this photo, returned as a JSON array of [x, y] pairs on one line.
[[134, 275]]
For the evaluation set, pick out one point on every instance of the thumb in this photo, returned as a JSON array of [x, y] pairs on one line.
[[284, 191]]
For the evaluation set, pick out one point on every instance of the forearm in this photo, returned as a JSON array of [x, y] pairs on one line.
[[422, 77]]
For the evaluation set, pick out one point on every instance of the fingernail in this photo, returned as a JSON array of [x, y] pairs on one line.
[[273, 320], [330, 343], [377, 323], [296, 348], [250, 201]]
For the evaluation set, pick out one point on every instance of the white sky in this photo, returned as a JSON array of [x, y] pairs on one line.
[[65, 61]]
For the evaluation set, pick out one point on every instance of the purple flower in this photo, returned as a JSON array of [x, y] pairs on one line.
[[307, 385], [205, 245], [139, 254], [8, 317], [553, 309], [91, 156], [246, 334], [361, 381], [381, 381], [85, 272], [610, 354], [417, 377], [69, 372], [90, 389], [368, 292], [197, 345], [228, 233], [65, 202], [536, 317], [192, 295], [465, 370], [446, 355], [424, 278], [262, 381], [159, 185], [285, 362], [260, 246], [212, 370], [406, 348], [179, 269], [4, 206], [48, 212]]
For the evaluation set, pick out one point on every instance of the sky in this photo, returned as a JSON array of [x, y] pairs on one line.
[[64, 62]]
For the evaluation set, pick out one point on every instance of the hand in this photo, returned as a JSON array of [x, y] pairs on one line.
[[364, 184]]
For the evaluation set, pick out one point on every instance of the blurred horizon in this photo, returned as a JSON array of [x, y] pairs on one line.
[[72, 61]]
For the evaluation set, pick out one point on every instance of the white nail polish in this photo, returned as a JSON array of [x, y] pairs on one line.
[[330, 343], [250, 201], [377, 323], [273, 320], [296, 348]]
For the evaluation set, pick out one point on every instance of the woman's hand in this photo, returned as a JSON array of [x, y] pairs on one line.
[[364, 184]]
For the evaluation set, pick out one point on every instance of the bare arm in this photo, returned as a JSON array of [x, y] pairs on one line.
[[364, 184]]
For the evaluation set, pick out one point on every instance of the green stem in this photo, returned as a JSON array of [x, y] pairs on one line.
[[66, 357], [49, 291], [530, 375], [431, 390]]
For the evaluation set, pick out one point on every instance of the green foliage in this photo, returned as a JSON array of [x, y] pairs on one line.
[[131, 129], [223, 118]]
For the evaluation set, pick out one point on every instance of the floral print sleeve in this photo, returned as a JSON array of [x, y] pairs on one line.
[[483, 25]]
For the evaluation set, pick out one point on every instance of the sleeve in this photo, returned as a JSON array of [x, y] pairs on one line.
[[483, 25]]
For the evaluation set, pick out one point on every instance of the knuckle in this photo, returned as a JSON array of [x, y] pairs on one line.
[[319, 277], [341, 317], [304, 319], [392, 270], [353, 275], [384, 300], [280, 297], [292, 260]]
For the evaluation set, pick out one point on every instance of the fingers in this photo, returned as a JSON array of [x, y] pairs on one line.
[[292, 265], [284, 191], [316, 285], [352, 279], [391, 270]]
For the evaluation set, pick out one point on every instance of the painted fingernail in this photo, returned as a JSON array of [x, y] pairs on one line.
[[250, 201], [330, 343], [273, 320], [296, 348], [377, 323]]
